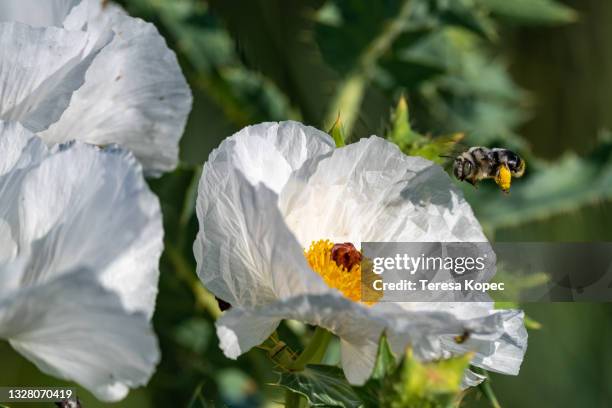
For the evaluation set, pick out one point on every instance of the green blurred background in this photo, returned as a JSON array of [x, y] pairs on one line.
[[533, 75]]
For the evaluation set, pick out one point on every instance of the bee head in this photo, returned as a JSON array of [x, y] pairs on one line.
[[462, 167]]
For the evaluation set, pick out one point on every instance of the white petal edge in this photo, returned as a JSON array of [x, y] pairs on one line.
[[267, 153], [41, 68], [35, 12], [358, 327], [126, 99], [75, 329], [80, 206]]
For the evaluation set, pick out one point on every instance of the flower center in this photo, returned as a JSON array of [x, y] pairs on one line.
[[339, 265]]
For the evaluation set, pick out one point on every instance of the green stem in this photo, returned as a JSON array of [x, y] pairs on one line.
[[203, 297], [315, 351], [486, 389], [347, 100]]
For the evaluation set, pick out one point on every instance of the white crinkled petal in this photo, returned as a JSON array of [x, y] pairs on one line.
[[358, 327], [40, 68], [80, 206], [134, 93], [83, 207], [73, 328], [36, 13], [241, 329], [497, 337], [370, 191], [8, 246], [19, 149], [503, 352], [471, 379], [266, 153], [237, 250]]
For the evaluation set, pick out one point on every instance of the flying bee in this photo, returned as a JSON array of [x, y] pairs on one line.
[[480, 163]]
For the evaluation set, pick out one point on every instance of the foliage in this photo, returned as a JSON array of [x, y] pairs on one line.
[[414, 144], [408, 384], [440, 54]]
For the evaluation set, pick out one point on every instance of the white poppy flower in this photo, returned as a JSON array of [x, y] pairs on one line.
[[77, 69], [272, 193], [80, 241]]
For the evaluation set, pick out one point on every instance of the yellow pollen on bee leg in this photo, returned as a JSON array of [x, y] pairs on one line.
[[335, 275], [503, 178]]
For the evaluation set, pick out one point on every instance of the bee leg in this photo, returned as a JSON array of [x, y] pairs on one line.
[[472, 182]]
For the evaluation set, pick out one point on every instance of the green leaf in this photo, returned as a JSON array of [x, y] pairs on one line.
[[475, 95], [409, 73], [436, 149], [531, 11], [322, 385], [461, 13], [356, 24], [412, 383], [414, 144], [385, 360]]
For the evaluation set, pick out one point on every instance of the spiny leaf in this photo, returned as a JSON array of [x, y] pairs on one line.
[[437, 148], [401, 133], [415, 144], [322, 385], [385, 360], [433, 384]]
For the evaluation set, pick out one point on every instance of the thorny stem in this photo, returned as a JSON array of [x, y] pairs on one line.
[[350, 93]]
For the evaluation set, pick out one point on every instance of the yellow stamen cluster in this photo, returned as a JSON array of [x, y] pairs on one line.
[[319, 257]]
